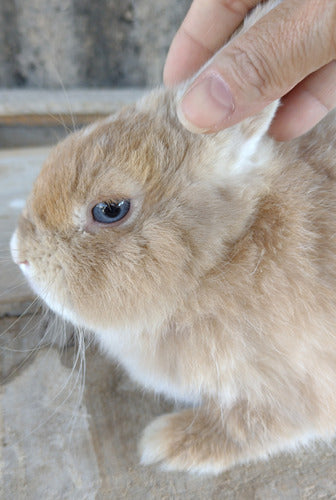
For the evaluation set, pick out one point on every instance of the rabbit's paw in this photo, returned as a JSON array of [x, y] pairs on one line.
[[208, 440], [181, 441]]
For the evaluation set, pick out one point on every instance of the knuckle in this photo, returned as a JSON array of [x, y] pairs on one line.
[[239, 7], [320, 87], [251, 69]]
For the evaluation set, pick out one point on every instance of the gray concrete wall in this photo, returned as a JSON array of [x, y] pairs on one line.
[[102, 43]]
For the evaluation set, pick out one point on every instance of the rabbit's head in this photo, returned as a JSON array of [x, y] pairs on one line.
[[127, 215]]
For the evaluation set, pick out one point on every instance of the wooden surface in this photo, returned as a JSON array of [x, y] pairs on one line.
[[41, 101], [57, 444], [45, 107]]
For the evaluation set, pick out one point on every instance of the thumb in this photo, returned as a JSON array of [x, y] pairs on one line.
[[261, 64]]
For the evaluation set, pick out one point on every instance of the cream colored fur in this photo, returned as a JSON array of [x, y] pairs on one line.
[[218, 290]]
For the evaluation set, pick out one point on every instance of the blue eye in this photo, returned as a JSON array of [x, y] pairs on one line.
[[107, 212]]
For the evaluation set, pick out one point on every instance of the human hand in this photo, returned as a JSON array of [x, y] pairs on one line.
[[288, 54]]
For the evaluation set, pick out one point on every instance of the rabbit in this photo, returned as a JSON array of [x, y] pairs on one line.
[[205, 264]]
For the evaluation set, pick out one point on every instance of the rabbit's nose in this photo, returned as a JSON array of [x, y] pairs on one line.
[[24, 267], [24, 263]]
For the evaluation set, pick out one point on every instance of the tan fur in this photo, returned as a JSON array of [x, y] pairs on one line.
[[219, 289]]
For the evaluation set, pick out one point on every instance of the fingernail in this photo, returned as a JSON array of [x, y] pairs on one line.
[[206, 105]]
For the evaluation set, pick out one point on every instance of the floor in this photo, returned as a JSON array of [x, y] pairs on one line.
[[62, 439]]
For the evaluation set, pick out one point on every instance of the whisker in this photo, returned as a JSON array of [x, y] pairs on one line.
[[20, 317], [59, 119], [17, 369], [72, 382], [66, 97], [54, 412], [40, 344], [36, 300], [81, 376], [14, 287]]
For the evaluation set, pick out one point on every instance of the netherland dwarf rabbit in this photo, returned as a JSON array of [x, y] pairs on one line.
[[204, 264]]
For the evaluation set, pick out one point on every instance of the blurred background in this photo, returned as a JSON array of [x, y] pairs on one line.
[[50, 48], [91, 43]]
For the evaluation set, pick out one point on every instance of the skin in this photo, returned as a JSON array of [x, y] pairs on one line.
[[289, 53]]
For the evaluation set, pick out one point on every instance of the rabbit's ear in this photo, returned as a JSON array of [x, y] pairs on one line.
[[240, 142], [248, 137], [239, 151]]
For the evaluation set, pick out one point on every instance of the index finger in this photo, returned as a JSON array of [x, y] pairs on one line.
[[206, 27]]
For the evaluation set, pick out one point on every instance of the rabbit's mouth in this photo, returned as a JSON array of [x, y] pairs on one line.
[[45, 291]]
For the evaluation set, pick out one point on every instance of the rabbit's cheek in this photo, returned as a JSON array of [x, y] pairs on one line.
[[37, 273], [60, 307], [53, 294]]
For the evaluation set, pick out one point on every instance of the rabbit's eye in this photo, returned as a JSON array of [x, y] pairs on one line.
[[107, 212]]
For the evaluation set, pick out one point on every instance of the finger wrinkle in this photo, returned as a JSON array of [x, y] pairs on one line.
[[249, 69], [238, 7], [316, 100], [197, 42]]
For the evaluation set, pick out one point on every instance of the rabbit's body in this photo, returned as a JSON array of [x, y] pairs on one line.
[[219, 286]]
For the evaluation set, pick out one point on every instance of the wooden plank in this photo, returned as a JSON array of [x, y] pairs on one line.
[[36, 107], [37, 120]]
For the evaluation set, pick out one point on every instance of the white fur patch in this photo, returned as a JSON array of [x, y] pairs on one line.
[[89, 129], [14, 247], [244, 161]]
